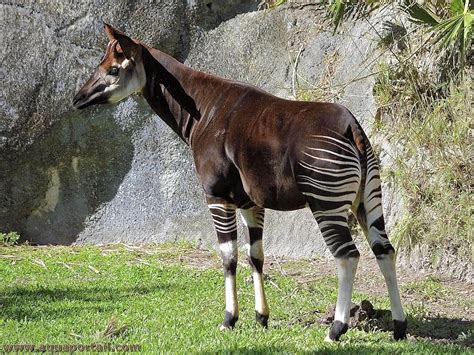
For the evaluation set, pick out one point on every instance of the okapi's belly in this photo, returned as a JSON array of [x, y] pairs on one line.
[[282, 196]]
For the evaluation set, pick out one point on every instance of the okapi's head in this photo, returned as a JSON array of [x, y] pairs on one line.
[[119, 74]]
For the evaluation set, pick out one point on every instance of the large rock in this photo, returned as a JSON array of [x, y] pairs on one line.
[[58, 167], [111, 174], [50, 47]]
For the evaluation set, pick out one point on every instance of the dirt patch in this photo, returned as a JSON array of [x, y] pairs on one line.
[[365, 317], [429, 293]]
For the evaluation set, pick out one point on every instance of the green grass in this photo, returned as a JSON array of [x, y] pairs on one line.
[[70, 295], [429, 288]]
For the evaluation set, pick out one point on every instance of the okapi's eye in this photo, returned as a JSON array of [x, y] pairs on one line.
[[113, 71]]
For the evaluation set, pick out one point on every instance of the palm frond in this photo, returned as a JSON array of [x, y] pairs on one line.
[[456, 7], [420, 15], [454, 30], [340, 10]]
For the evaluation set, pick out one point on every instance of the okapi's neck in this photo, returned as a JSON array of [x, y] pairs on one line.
[[169, 90]]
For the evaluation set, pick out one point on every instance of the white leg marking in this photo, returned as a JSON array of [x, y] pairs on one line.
[[346, 272], [256, 250], [231, 304], [229, 252], [229, 249], [253, 217], [387, 266], [261, 305], [247, 248]]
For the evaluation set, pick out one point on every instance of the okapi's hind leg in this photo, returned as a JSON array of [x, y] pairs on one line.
[[223, 215], [385, 254], [253, 219], [335, 230], [369, 213]]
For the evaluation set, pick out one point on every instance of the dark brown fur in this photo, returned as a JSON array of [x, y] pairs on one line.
[[251, 148], [246, 143]]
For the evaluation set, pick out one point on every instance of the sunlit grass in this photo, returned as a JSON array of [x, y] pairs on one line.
[[147, 296]]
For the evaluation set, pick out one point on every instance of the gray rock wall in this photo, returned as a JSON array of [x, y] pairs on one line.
[[117, 173]]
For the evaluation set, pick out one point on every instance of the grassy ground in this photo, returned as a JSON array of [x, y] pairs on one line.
[[171, 298]]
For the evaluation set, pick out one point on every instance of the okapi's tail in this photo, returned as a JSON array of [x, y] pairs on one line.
[[369, 212]]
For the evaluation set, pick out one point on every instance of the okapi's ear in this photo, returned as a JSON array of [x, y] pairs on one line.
[[110, 32], [129, 48]]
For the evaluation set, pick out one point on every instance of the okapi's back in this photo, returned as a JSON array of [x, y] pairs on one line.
[[275, 128]]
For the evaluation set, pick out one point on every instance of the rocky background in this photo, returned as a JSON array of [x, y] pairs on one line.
[[117, 173]]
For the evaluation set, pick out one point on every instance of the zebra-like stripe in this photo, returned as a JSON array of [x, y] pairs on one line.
[[332, 190], [223, 216], [339, 162], [372, 200], [337, 142], [257, 220], [329, 172]]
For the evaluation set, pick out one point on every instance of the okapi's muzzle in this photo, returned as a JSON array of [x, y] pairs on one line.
[[93, 92]]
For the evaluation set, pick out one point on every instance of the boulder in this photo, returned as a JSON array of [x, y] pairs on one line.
[[117, 173], [59, 168]]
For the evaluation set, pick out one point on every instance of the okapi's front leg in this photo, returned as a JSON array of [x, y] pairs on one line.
[[253, 219], [223, 215]]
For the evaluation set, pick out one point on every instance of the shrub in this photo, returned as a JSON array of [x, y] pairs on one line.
[[9, 238]]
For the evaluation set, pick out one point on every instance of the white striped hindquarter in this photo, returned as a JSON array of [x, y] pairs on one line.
[[374, 225], [330, 179], [335, 177], [374, 229]]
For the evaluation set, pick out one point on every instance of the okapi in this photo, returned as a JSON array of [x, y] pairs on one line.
[[253, 151]]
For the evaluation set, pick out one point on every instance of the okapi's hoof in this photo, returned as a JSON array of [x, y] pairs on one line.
[[229, 321], [337, 329], [262, 319], [399, 329]]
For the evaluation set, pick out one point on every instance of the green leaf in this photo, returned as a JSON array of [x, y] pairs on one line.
[[450, 31], [457, 7], [337, 12], [467, 28], [453, 33], [420, 15]]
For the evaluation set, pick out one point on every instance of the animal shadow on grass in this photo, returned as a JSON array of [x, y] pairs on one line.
[[438, 329], [19, 303]]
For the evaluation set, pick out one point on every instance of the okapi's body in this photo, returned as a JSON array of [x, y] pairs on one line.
[[254, 151]]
